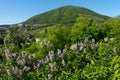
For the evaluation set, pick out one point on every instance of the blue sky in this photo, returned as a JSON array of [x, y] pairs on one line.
[[15, 11]]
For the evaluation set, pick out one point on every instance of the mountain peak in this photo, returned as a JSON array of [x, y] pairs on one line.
[[64, 14]]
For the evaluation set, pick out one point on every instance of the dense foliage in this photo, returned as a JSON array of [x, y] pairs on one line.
[[86, 51]]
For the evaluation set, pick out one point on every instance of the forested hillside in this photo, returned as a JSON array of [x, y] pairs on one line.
[[66, 15]]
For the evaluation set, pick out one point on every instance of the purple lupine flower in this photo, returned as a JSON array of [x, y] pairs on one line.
[[81, 46], [73, 46], [41, 61], [38, 64], [48, 44], [46, 59], [8, 54], [50, 76], [34, 66], [26, 68], [51, 55], [21, 61], [97, 45], [63, 63], [59, 53], [14, 55]]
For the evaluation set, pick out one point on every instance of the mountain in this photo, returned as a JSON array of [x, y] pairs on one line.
[[65, 14]]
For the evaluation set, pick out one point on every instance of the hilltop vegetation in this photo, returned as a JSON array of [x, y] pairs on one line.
[[65, 14]]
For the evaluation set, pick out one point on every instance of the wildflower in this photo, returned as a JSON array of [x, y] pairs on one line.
[[21, 61], [41, 61], [26, 68], [46, 59], [73, 46], [14, 55], [97, 45], [92, 46], [86, 39], [63, 63], [34, 66], [51, 55], [38, 64], [7, 54], [81, 46], [50, 76], [59, 53], [48, 44]]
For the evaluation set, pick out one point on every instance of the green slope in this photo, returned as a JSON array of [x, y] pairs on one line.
[[65, 14]]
